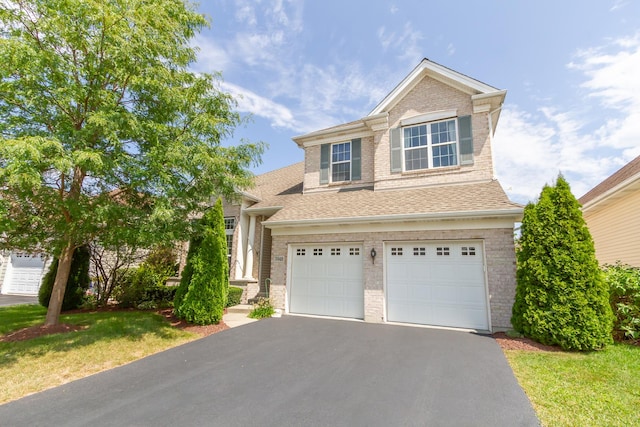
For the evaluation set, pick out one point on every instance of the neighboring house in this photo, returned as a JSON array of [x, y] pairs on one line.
[[21, 273], [396, 217], [611, 212]]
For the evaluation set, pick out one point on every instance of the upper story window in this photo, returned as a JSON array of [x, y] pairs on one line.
[[341, 162], [432, 145]]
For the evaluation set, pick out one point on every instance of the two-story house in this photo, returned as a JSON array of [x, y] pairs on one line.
[[396, 217]]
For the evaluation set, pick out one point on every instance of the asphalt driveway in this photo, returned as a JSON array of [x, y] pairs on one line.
[[297, 371]]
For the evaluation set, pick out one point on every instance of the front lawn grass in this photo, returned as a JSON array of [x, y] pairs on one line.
[[600, 388], [110, 339]]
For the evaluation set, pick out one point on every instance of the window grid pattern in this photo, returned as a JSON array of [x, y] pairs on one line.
[[443, 251], [419, 251], [341, 162], [300, 252], [396, 251], [229, 223], [468, 250], [354, 251], [317, 251], [430, 146], [335, 251]]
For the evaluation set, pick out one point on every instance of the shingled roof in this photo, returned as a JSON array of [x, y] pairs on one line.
[[630, 170], [478, 199]]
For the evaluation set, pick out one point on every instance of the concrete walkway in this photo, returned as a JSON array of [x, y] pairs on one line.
[[238, 315]]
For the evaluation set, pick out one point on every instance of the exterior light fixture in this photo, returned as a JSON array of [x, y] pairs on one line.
[[373, 254]]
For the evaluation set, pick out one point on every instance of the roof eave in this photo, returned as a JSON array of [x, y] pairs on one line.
[[515, 213]]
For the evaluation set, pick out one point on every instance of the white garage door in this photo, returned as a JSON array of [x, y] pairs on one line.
[[438, 283], [326, 279], [24, 274]]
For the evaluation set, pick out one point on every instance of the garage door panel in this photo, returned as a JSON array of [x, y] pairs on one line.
[[327, 280], [436, 283]]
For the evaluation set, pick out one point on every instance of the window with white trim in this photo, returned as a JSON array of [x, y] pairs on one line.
[[341, 162], [430, 145], [229, 227]]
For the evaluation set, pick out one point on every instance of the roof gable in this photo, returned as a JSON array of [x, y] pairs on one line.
[[627, 175], [462, 82]]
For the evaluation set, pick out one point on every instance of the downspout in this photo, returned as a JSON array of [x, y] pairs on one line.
[[491, 131]]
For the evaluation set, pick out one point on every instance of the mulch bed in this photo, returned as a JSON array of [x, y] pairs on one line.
[[41, 330], [521, 343]]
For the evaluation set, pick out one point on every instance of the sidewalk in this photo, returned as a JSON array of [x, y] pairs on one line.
[[238, 315]]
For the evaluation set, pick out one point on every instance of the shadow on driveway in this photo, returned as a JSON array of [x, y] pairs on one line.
[[297, 371], [9, 300]]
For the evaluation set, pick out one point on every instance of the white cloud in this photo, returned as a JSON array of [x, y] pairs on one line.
[[211, 57], [408, 42], [532, 148], [250, 102]]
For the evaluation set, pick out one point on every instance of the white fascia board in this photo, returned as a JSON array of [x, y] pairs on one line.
[[438, 72], [397, 227], [338, 137], [249, 197], [630, 184], [514, 213], [269, 210]]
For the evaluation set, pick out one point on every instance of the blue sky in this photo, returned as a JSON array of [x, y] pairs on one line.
[[571, 69]]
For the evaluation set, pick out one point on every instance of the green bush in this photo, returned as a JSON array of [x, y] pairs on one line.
[[624, 287], [262, 309], [561, 297], [235, 296], [145, 287], [202, 294], [144, 284], [77, 284]]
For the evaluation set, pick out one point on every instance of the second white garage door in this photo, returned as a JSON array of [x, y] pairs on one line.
[[441, 283], [24, 274], [326, 279]]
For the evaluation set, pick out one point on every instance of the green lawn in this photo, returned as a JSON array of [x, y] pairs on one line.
[[110, 339], [582, 389]]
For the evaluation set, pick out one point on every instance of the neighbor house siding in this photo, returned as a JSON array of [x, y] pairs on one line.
[[615, 230], [429, 96], [499, 258]]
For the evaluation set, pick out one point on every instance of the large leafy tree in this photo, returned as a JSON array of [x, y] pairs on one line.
[[204, 287], [561, 296], [105, 134]]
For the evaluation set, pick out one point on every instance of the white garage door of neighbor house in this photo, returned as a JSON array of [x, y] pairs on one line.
[[23, 275], [436, 283], [326, 279]]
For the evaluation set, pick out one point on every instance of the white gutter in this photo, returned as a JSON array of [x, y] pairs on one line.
[[502, 213]]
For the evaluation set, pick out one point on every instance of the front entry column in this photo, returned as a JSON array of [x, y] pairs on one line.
[[248, 268]]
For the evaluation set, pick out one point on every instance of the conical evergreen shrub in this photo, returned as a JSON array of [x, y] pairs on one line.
[[77, 284], [561, 297], [202, 294]]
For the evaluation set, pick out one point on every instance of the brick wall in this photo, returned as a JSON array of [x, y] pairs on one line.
[[499, 256]]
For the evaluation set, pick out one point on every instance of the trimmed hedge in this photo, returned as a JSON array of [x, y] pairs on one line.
[[235, 296], [624, 287]]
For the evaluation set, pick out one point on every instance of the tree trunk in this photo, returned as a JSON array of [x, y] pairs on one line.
[[59, 286]]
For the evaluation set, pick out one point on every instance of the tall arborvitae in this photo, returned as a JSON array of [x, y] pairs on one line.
[[204, 286], [77, 284], [561, 297]]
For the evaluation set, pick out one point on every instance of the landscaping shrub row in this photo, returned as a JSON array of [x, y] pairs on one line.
[[624, 286]]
